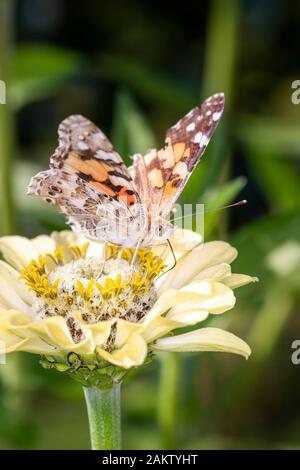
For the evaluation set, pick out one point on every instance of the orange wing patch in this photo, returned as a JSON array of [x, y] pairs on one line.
[[96, 169], [179, 150]]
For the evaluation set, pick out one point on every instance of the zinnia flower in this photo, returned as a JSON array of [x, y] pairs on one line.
[[97, 312]]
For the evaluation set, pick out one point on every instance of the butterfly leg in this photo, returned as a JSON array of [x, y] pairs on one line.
[[165, 250], [104, 260], [174, 259], [135, 254]]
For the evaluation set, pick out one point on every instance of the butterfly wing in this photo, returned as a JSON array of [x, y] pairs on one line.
[[160, 176], [87, 179]]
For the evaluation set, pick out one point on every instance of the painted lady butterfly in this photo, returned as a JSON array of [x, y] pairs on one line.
[[109, 202]]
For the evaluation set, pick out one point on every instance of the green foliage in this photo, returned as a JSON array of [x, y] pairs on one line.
[[131, 132], [145, 81], [39, 71]]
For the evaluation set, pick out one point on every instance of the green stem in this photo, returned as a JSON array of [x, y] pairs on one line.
[[104, 413], [219, 75], [221, 48], [168, 398], [6, 133], [10, 374]]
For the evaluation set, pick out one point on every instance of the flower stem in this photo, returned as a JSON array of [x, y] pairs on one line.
[[168, 398], [104, 413], [6, 121]]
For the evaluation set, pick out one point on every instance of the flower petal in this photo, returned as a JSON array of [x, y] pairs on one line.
[[188, 317], [68, 237], [238, 280], [205, 339], [17, 251], [167, 300], [10, 341], [124, 330], [214, 273], [100, 331], [15, 345], [160, 326], [9, 298], [183, 240], [12, 277], [215, 297], [54, 331], [132, 353], [95, 249], [43, 244], [17, 336], [197, 260]]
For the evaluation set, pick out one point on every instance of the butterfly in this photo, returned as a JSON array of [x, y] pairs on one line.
[[108, 202]]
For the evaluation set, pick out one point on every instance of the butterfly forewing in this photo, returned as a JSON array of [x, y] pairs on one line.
[[88, 181], [85, 150], [166, 171]]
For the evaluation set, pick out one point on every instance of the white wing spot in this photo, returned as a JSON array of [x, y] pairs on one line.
[[204, 140], [82, 145], [190, 113], [208, 113], [191, 127], [102, 155], [98, 138], [216, 116], [198, 137], [177, 125]]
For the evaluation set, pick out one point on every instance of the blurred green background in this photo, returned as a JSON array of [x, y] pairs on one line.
[[135, 68]]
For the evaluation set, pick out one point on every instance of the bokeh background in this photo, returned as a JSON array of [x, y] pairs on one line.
[[135, 68]]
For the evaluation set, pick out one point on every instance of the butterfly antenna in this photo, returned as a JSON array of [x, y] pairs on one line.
[[239, 203], [174, 258]]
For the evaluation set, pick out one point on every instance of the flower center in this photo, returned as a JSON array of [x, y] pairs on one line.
[[68, 281]]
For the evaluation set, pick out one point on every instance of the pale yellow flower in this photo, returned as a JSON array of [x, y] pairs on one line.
[[60, 300]]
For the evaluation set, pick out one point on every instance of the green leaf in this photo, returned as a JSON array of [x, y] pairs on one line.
[[258, 239], [216, 197], [131, 132], [38, 71], [221, 48], [145, 81], [278, 137], [278, 180]]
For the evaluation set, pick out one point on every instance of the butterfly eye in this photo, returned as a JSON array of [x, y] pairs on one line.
[[159, 230]]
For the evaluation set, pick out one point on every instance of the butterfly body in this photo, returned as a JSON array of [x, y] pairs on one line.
[[108, 202]]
